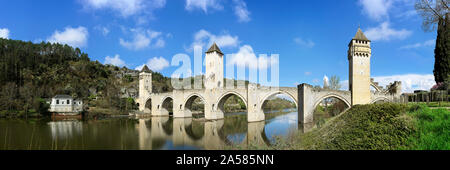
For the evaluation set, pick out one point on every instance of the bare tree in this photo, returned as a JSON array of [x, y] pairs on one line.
[[432, 11], [335, 83]]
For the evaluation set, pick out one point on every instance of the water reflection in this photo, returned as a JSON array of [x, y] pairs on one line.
[[148, 134], [65, 129], [188, 133]]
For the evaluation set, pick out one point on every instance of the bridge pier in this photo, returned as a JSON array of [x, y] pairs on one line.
[[305, 113], [179, 135], [255, 134], [254, 104], [211, 139], [179, 110]]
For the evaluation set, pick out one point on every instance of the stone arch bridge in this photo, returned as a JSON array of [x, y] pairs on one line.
[[305, 96], [157, 104], [309, 97]]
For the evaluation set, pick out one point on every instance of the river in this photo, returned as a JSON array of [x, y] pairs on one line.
[[156, 133]]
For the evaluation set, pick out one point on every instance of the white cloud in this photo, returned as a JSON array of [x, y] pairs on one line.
[[102, 29], [427, 43], [246, 57], [205, 39], [75, 37], [124, 7], [384, 32], [406, 14], [241, 11], [304, 43], [376, 9], [4, 33], [114, 61], [308, 73], [143, 39], [155, 64], [203, 5], [410, 82]]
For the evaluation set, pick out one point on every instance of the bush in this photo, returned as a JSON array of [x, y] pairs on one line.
[[373, 127]]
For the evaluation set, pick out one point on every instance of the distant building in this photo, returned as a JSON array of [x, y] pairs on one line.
[[65, 104]]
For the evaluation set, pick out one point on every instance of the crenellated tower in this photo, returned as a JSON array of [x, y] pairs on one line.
[[214, 68], [145, 86], [359, 54]]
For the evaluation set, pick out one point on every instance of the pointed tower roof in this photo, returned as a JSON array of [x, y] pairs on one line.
[[360, 35], [145, 69], [215, 48]]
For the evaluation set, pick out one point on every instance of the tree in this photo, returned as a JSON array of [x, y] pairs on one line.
[[442, 52], [335, 83], [431, 11], [436, 12]]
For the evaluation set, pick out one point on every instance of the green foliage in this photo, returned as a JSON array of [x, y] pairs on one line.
[[43, 107], [363, 127], [161, 83], [278, 104], [377, 127], [30, 72], [433, 128], [442, 51]]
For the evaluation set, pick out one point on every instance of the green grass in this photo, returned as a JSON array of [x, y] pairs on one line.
[[375, 127], [433, 128], [435, 104], [364, 127]]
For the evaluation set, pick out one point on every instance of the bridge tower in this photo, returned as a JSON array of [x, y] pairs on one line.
[[145, 87], [214, 68], [359, 54]]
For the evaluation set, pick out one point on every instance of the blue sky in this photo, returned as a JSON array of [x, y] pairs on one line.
[[311, 37]]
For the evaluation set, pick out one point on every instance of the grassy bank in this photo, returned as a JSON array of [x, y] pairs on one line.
[[433, 128], [434, 104], [376, 127]]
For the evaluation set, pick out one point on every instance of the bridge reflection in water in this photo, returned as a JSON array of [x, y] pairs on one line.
[[147, 134], [184, 133], [188, 133]]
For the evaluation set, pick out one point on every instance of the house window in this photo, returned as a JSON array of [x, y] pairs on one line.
[[57, 101], [62, 102], [68, 102]]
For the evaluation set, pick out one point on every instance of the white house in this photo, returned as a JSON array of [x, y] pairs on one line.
[[65, 104]]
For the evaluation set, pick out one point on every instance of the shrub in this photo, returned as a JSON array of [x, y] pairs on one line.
[[374, 127]]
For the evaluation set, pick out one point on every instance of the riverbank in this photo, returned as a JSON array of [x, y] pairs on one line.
[[375, 127]]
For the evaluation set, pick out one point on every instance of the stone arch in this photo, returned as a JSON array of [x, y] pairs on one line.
[[380, 99], [148, 105], [164, 107], [189, 100], [221, 100], [275, 93], [375, 87], [331, 95], [195, 130], [324, 97]]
